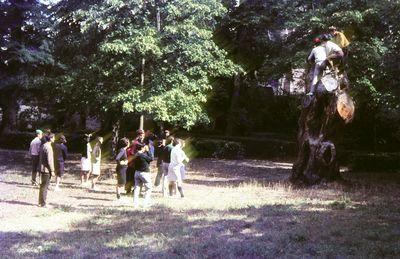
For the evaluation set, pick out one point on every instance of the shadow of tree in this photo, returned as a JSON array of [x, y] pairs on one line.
[[213, 172], [266, 231]]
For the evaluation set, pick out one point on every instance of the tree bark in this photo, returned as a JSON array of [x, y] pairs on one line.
[[115, 136], [230, 127], [141, 123], [10, 111], [317, 154]]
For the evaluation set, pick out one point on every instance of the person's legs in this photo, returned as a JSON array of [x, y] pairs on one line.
[[45, 180], [82, 177], [314, 81], [171, 188], [35, 167], [118, 187], [164, 178], [146, 179], [121, 175], [179, 183], [58, 181], [159, 175], [130, 179], [94, 180], [136, 189]]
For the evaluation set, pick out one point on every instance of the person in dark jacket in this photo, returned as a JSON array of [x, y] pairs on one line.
[[131, 151], [46, 164], [142, 174], [122, 165], [60, 152], [166, 159]]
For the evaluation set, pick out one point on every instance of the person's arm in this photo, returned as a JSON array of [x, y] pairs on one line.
[[120, 154], [50, 159], [337, 52], [311, 56], [148, 156], [64, 152]]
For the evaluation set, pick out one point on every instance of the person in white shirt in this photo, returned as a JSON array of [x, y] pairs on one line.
[[324, 51], [176, 167], [34, 151]]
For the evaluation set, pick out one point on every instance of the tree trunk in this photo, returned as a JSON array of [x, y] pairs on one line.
[[115, 136], [10, 110], [317, 154], [230, 127], [141, 123]]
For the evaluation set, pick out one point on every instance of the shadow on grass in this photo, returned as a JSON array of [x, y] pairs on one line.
[[213, 172], [90, 198], [13, 202], [267, 231]]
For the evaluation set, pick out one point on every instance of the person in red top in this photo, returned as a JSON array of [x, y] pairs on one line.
[[131, 151]]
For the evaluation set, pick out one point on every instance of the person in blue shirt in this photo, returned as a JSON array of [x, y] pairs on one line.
[[60, 152]]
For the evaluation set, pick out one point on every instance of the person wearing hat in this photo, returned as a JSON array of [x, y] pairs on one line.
[[46, 165], [327, 52], [96, 161], [34, 150], [131, 151], [318, 58], [60, 151]]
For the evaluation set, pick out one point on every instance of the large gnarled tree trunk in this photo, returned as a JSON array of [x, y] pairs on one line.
[[318, 131]]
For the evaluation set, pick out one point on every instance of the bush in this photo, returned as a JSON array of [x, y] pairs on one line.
[[22, 140], [375, 161], [216, 148]]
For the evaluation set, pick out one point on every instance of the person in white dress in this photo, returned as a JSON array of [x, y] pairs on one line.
[[176, 166], [85, 161], [96, 162]]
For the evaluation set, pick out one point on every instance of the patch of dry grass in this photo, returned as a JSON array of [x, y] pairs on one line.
[[231, 209]]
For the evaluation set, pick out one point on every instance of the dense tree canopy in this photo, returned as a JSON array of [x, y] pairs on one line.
[[156, 58], [175, 60], [24, 53]]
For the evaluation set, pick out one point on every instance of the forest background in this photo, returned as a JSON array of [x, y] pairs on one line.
[[198, 67]]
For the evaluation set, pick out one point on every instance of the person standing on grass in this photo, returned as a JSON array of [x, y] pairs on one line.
[[131, 151], [46, 162], [85, 161], [96, 161], [143, 159], [166, 159], [34, 151], [159, 152], [176, 167], [61, 151], [122, 165]]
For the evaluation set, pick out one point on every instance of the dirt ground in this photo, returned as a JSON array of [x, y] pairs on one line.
[[232, 209]]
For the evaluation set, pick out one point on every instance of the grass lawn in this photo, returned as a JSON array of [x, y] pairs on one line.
[[232, 209]]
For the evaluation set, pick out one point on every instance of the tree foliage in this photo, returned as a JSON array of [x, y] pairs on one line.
[[114, 43]]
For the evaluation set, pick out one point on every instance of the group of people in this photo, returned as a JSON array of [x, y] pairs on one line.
[[133, 165], [48, 157], [329, 47], [133, 160]]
